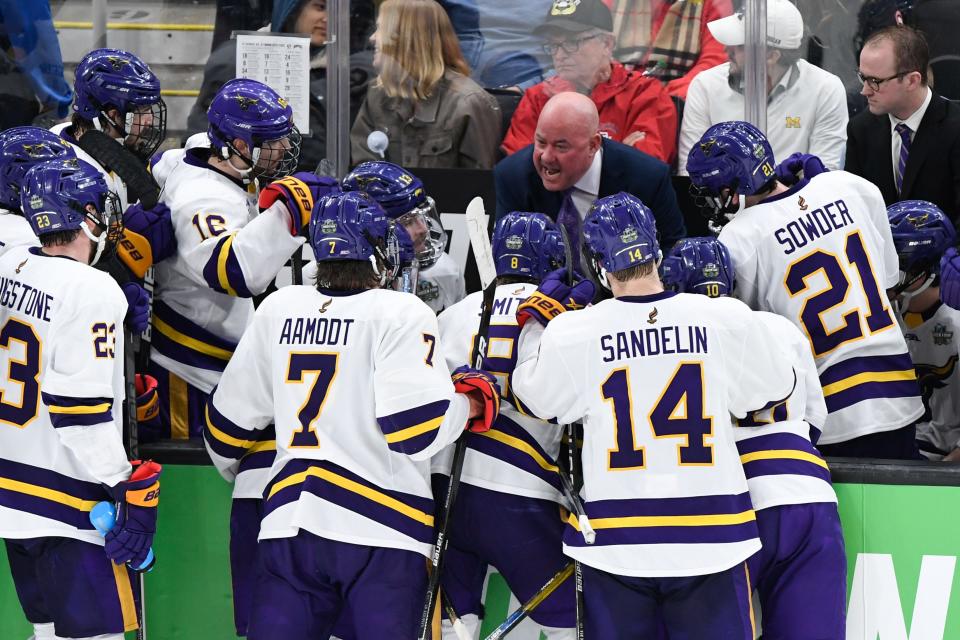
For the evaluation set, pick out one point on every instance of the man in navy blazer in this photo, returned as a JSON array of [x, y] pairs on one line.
[[570, 160]]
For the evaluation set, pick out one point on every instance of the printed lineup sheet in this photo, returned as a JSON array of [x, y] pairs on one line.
[[281, 61]]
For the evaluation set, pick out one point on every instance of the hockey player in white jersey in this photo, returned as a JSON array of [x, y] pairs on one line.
[[655, 377], [820, 254], [921, 233], [22, 148], [800, 572], [355, 381], [440, 281], [512, 468], [61, 326]]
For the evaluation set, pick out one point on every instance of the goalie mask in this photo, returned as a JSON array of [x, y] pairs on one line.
[[732, 158], [527, 245], [109, 79], [403, 198], [256, 114], [352, 226], [921, 233], [619, 232], [60, 195], [699, 265], [21, 149]]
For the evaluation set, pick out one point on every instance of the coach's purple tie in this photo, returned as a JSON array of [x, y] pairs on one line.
[[904, 132], [569, 217]]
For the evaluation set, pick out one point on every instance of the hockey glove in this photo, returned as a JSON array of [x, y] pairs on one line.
[[298, 193], [148, 401], [137, 500], [950, 278], [554, 296], [138, 307], [789, 171], [483, 387], [148, 237]]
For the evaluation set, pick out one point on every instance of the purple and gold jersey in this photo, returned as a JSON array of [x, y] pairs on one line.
[[359, 393], [226, 253], [61, 347], [655, 380], [821, 254], [780, 461], [518, 456]]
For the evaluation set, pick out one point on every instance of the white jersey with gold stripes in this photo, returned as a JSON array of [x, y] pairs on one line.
[[359, 391], [821, 254], [518, 456], [776, 445], [226, 253], [61, 350], [655, 380]]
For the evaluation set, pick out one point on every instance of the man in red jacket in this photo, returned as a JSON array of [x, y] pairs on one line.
[[634, 109]]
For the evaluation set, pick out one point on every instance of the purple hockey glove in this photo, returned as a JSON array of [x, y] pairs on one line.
[[137, 500], [148, 237], [950, 278], [554, 296], [138, 307], [789, 171]]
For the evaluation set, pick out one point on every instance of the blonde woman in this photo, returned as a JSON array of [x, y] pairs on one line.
[[431, 114]]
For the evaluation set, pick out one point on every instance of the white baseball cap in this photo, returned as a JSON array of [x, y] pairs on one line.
[[784, 27]]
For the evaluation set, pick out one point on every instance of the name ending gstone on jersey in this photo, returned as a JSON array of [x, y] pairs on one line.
[[655, 341], [330, 331], [23, 298], [810, 226]]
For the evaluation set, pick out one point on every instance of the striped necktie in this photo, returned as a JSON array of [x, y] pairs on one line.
[[904, 132], [569, 217]]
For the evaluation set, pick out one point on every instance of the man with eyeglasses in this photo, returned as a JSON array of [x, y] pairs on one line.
[[806, 106], [634, 109], [908, 142]]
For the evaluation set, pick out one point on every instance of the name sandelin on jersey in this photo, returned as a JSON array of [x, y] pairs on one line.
[[933, 340], [67, 318], [829, 242], [518, 456], [672, 502], [362, 400], [781, 464], [226, 253]]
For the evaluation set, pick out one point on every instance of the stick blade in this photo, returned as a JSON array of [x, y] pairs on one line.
[[477, 222]]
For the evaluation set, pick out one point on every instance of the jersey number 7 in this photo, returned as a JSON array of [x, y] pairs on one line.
[[325, 366]]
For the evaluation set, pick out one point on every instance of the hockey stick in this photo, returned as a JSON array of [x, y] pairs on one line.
[[459, 628], [569, 481], [477, 221], [535, 600], [131, 343]]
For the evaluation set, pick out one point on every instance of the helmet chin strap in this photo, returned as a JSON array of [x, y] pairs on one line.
[[906, 296], [100, 241]]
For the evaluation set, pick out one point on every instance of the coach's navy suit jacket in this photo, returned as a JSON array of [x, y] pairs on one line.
[[519, 188]]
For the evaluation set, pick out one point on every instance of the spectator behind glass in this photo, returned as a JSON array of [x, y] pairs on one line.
[[806, 106], [432, 113], [496, 42], [31, 68], [669, 39], [307, 17], [634, 109], [907, 142]]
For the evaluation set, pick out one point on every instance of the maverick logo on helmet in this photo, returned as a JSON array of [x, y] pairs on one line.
[[117, 63], [245, 102]]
